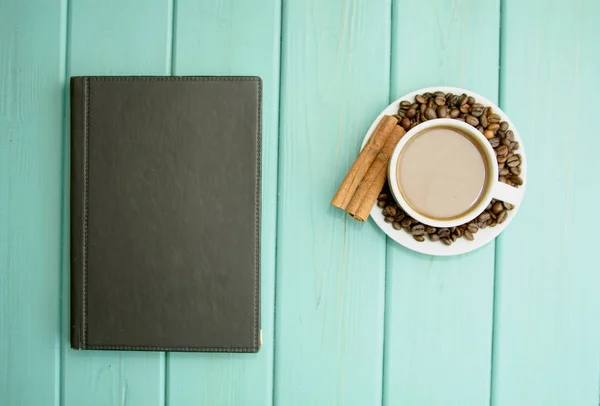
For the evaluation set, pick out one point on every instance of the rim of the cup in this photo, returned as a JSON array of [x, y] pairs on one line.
[[483, 202]]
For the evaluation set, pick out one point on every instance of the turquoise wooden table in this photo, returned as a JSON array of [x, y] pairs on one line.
[[349, 318]]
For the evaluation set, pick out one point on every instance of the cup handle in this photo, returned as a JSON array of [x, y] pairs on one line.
[[507, 193]]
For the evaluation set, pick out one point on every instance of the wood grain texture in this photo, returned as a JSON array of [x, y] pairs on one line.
[[234, 37], [32, 50], [439, 310], [330, 269], [125, 37], [547, 334]]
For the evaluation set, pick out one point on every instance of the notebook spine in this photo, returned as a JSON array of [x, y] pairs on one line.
[[79, 90]]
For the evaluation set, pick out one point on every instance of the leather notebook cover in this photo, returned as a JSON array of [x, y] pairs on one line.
[[165, 213]]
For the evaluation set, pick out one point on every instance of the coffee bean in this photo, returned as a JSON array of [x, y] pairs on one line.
[[471, 100], [434, 237], [504, 180], [405, 105], [502, 150], [431, 104], [492, 215], [420, 99], [506, 142], [508, 206], [381, 203], [411, 113], [430, 113], [419, 229], [440, 101], [494, 142], [389, 219], [400, 216], [383, 196], [480, 129], [477, 110], [396, 225], [443, 232], [453, 237], [442, 111], [502, 217], [419, 238], [405, 123], [472, 120], [469, 236], [517, 180], [497, 208], [391, 211], [500, 166], [406, 222], [464, 99], [489, 134], [504, 126], [422, 108], [446, 241], [418, 117], [504, 172], [493, 223], [485, 216], [460, 119], [516, 170], [453, 100], [510, 135], [472, 227], [454, 112], [483, 225], [430, 230], [489, 206], [513, 161], [465, 108], [459, 231], [494, 119], [493, 127], [514, 146], [428, 95], [484, 121], [501, 134]]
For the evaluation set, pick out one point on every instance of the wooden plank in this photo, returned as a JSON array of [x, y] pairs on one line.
[[32, 48], [234, 37], [127, 37], [439, 310], [330, 269], [547, 335]]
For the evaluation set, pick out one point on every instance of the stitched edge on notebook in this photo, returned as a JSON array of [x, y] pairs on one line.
[[257, 207], [85, 205]]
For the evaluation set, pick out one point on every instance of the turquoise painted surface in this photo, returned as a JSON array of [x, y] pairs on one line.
[[348, 317]]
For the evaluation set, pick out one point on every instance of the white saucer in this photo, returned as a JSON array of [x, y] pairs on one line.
[[462, 245]]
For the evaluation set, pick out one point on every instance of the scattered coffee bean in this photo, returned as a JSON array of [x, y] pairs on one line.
[[502, 217], [471, 100], [502, 150], [472, 227], [420, 99], [510, 135], [463, 100], [443, 232], [453, 237], [396, 225], [400, 216], [494, 118], [485, 216], [422, 109], [514, 146], [494, 142], [411, 113], [391, 211], [481, 129], [472, 120], [516, 170], [484, 121], [446, 240], [517, 180], [503, 126], [419, 229], [497, 208], [434, 237], [405, 123], [493, 127], [430, 113], [442, 111], [389, 219], [419, 238], [406, 222], [440, 101], [508, 206], [489, 134], [465, 108], [381, 203], [469, 235], [454, 112], [513, 161], [404, 105], [430, 230], [383, 196], [477, 110]]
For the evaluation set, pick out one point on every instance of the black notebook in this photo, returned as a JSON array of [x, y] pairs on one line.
[[165, 213]]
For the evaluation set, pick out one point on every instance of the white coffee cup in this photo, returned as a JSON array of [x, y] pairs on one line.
[[492, 190]]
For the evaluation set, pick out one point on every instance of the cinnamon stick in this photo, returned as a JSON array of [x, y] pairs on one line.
[[363, 162], [370, 187]]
